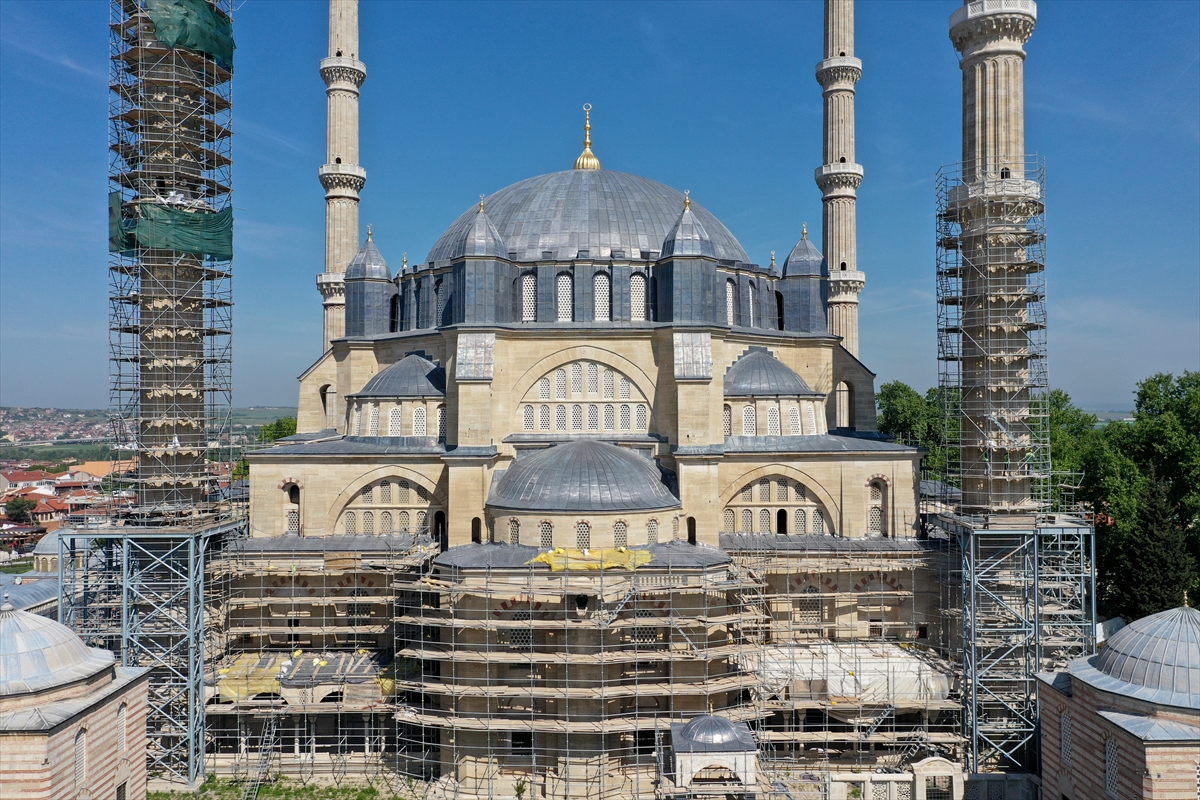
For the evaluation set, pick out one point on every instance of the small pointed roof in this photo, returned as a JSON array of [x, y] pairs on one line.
[[805, 259], [480, 238], [368, 264], [688, 236]]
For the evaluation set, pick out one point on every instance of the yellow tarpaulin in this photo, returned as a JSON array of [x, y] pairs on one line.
[[248, 676], [560, 559]]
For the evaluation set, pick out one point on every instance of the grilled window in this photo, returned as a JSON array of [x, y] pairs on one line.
[[560, 417], [637, 297], [727, 421], [122, 714], [818, 523], [643, 418], [624, 417], [405, 522], [764, 490], [545, 418], [749, 427], [729, 521], [773, 421], [1112, 762], [81, 761], [609, 418], [781, 490], [385, 522], [747, 520], [764, 520], [624, 388], [794, 420], [576, 418], [373, 429], [528, 418], [675, 528], [528, 297], [385, 492], [593, 418], [652, 532], [583, 536], [422, 518], [560, 384], [350, 524], [593, 379], [620, 535], [441, 422], [801, 518], [748, 493], [729, 300], [601, 304], [875, 520], [368, 522], [368, 494], [358, 421], [1064, 738], [577, 378], [419, 421], [394, 421], [544, 389], [514, 531], [293, 521], [547, 534], [608, 384], [564, 310]]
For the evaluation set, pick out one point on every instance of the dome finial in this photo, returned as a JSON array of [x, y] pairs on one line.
[[687, 199], [368, 231], [586, 159], [404, 263], [804, 231], [480, 204], [7, 605], [772, 258]]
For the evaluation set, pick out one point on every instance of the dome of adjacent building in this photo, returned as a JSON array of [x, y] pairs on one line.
[[760, 374], [412, 376], [368, 264], [586, 209], [37, 654], [712, 733], [1156, 658], [584, 475]]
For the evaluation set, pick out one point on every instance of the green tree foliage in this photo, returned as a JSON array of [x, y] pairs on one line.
[[284, 426], [917, 421], [19, 508], [1157, 566]]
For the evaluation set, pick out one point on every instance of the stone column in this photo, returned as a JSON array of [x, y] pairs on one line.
[[341, 176], [839, 176]]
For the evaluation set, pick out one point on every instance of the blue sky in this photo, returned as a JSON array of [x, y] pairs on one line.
[[719, 98]]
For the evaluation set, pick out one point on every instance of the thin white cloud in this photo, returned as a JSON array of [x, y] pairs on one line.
[[56, 57]]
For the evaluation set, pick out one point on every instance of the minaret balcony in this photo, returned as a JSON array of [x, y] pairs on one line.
[[844, 176], [983, 8], [342, 180], [345, 73], [839, 73], [845, 285]]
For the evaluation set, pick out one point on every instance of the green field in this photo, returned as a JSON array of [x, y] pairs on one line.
[[283, 789]]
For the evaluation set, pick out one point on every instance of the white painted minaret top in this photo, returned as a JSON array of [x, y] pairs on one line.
[[840, 176]]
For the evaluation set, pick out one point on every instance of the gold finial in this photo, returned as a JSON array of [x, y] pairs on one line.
[[772, 258], [687, 199], [804, 231], [586, 159], [368, 231], [480, 204], [404, 266]]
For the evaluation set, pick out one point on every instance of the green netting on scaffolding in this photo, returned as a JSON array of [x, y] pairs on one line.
[[195, 25], [204, 233]]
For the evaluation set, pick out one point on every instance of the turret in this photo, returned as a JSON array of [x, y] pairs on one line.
[[805, 288], [369, 292]]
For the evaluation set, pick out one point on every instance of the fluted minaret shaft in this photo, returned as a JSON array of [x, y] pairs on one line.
[[341, 175], [839, 177]]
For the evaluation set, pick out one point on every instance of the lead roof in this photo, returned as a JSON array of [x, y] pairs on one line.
[[759, 374], [412, 376]]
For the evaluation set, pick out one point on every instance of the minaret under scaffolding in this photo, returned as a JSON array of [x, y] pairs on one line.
[[839, 176], [341, 176]]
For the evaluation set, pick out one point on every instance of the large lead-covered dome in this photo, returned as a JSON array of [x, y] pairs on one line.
[[586, 209]]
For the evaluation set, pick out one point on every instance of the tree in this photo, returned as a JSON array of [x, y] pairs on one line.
[[18, 509], [1158, 567], [918, 421], [272, 431]]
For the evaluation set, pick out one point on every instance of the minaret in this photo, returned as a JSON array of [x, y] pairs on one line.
[[839, 177], [341, 175]]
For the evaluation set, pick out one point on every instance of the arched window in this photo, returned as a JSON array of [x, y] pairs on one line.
[[293, 520], [577, 378], [800, 520], [402, 491], [609, 418], [624, 384], [385, 492], [122, 714], [1112, 763], [441, 422], [593, 418], [747, 521], [544, 418], [437, 304], [728, 521], [730, 298], [385, 522], [583, 536], [395, 417], [1064, 738], [593, 379], [818, 523], [620, 535], [368, 494], [608, 384], [727, 421], [753, 306], [691, 530], [544, 389], [812, 418], [560, 417], [764, 520], [422, 522], [358, 421], [420, 315], [81, 764], [350, 525], [368, 522], [419, 421], [601, 304], [808, 608], [529, 297], [405, 522], [476, 530], [373, 430], [547, 534], [565, 312], [625, 421], [675, 528], [527, 422], [764, 490], [294, 494], [877, 510], [779, 310], [772, 421], [652, 532], [560, 384], [748, 493], [844, 397], [781, 526], [794, 420], [637, 297], [749, 426], [576, 418], [643, 418], [514, 531], [781, 490]]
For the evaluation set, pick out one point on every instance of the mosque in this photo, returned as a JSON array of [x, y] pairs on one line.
[[589, 504]]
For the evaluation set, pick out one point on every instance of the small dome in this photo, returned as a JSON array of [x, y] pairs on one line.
[[412, 376], [37, 654], [713, 733], [47, 545], [584, 475], [1156, 658], [760, 374], [368, 264], [478, 239], [805, 259], [688, 237]]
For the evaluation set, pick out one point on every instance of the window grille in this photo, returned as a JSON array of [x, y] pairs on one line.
[[753, 306], [729, 521], [529, 297], [875, 520], [385, 492], [350, 526], [373, 430], [608, 384], [729, 296], [576, 418], [764, 520], [609, 418], [747, 520], [577, 378], [748, 493], [421, 520], [583, 536], [675, 528], [773, 421], [402, 491], [1064, 738], [601, 304], [624, 388], [808, 608], [544, 389], [368, 494], [547, 532], [122, 711], [560, 417], [637, 297], [81, 761], [593, 418], [748, 425], [437, 304], [794, 420], [727, 422], [800, 493], [422, 493], [1111, 765], [593, 379], [652, 532], [812, 418], [560, 384], [624, 417], [876, 493], [620, 535], [520, 639], [938, 787], [818, 523], [545, 418], [528, 421], [405, 522], [394, 421], [358, 421], [419, 421], [293, 521], [801, 523], [643, 418], [385, 522], [781, 490], [441, 422], [122, 790], [514, 531], [564, 298], [368, 522], [764, 490], [643, 635]]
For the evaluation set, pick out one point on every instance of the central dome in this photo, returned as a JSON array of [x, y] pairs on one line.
[[594, 210]]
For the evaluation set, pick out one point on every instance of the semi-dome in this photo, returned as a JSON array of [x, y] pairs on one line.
[[586, 209], [37, 654], [1156, 658], [712, 733], [760, 374], [412, 376], [584, 475]]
